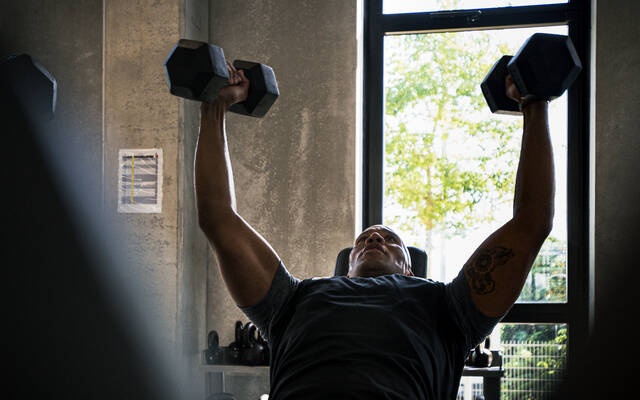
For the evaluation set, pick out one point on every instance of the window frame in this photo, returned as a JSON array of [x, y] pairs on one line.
[[576, 14]]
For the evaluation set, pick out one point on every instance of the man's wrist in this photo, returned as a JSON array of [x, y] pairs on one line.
[[532, 104], [220, 104]]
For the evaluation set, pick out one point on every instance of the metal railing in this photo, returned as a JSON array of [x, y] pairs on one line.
[[532, 371]]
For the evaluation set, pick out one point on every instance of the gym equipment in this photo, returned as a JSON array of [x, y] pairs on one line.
[[482, 357], [232, 352], [265, 349], [31, 84], [252, 351], [198, 71], [213, 354], [545, 66], [247, 349], [470, 361], [419, 261]]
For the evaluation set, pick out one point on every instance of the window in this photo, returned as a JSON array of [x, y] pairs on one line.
[[427, 133], [414, 6]]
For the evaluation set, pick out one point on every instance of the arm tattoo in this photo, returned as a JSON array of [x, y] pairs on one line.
[[478, 271]]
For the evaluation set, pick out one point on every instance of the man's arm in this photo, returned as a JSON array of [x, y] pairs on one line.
[[247, 262], [498, 269]]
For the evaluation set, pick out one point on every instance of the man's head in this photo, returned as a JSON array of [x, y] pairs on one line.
[[377, 251]]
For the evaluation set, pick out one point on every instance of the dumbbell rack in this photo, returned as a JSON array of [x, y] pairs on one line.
[[215, 377]]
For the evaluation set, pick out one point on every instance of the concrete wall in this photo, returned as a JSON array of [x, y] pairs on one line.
[[294, 169], [138, 114], [193, 248], [167, 251], [616, 152]]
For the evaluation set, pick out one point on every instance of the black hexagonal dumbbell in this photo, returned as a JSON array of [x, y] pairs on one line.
[[197, 71], [545, 66], [214, 353], [31, 84]]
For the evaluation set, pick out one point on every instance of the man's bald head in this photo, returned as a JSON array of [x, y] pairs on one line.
[[377, 251]]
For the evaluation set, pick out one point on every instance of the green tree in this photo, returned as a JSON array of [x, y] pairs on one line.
[[433, 101], [536, 364]]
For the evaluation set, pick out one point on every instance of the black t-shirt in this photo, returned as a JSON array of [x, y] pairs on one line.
[[388, 337]]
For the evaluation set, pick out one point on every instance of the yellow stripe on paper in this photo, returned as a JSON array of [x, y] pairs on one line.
[[132, 164]]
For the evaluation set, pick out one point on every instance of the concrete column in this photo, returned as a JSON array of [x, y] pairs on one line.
[[616, 151], [139, 114], [166, 251], [193, 247], [294, 169]]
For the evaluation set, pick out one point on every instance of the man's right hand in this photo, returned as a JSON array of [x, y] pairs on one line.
[[511, 89], [238, 88], [236, 92]]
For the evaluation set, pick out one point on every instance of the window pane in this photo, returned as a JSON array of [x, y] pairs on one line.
[[450, 164], [410, 6], [533, 358]]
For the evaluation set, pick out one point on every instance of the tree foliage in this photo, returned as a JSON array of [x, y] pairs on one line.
[[433, 101], [536, 363], [547, 281]]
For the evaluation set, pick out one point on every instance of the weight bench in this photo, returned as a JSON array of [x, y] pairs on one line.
[[418, 262]]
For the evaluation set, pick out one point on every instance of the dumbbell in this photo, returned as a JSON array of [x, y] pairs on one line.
[[214, 353], [252, 351], [480, 356], [198, 71], [31, 84], [484, 356], [545, 66], [266, 350]]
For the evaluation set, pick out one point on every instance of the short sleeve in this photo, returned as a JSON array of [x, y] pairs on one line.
[[282, 288], [474, 325]]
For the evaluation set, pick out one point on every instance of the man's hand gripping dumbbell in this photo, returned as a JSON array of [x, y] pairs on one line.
[[198, 71], [545, 66]]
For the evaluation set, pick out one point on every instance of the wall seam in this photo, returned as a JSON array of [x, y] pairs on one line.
[[103, 111], [180, 262], [207, 256]]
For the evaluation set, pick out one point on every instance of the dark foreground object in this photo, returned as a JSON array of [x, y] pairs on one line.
[[63, 337]]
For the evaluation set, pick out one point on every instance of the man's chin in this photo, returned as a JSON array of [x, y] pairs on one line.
[[373, 269]]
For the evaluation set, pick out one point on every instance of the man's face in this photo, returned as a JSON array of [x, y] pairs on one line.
[[378, 251]]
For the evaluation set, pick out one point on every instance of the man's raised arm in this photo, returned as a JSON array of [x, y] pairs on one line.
[[247, 262], [498, 269]]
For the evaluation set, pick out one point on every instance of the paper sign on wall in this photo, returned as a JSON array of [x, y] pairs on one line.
[[140, 181]]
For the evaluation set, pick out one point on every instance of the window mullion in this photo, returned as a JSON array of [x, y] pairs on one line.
[[474, 19]]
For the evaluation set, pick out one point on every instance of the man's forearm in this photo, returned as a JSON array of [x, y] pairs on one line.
[[213, 179], [535, 186]]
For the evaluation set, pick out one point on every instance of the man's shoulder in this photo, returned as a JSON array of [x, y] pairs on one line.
[[416, 280]]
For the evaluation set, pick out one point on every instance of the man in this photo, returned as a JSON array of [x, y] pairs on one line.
[[379, 332]]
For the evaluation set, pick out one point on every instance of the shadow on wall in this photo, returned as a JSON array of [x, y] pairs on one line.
[[608, 368], [75, 327]]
